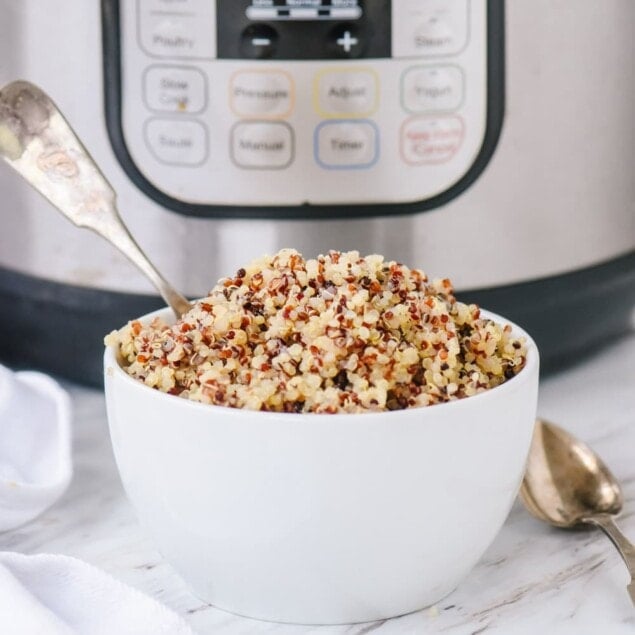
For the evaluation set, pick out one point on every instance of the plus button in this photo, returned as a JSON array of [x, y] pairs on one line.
[[344, 40], [347, 41]]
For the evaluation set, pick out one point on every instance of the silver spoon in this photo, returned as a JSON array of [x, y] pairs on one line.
[[38, 142], [567, 484]]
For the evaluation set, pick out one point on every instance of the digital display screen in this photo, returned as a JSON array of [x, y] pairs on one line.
[[303, 29], [304, 10]]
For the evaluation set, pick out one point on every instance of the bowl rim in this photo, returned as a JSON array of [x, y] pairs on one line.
[[114, 371]]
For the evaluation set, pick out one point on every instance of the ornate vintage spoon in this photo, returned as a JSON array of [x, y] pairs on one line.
[[567, 484], [38, 142]]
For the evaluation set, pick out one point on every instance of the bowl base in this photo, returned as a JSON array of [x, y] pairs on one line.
[[340, 618]]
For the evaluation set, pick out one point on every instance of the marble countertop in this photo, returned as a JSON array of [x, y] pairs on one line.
[[532, 579]]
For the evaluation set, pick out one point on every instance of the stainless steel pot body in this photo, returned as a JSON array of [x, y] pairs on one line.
[[556, 197]]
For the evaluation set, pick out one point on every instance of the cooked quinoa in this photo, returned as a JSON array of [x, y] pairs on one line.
[[340, 333]]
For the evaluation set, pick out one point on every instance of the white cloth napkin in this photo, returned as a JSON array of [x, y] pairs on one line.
[[50, 594], [57, 595], [35, 445]]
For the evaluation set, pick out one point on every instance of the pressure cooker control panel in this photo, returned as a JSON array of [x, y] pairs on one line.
[[292, 102]]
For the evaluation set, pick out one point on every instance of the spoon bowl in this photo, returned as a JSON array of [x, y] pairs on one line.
[[566, 484], [566, 481]]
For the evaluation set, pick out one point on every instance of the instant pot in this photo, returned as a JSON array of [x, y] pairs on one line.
[[492, 142]]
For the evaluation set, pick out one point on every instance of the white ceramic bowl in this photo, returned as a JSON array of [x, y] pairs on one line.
[[322, 519]]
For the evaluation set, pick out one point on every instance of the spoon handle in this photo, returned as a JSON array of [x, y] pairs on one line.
[[38, 142], [625, 547], [117, 234]]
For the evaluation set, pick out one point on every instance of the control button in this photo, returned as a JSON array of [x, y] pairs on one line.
[[347, 41], [256, 144], [177, 36], [432, 88], [174, 89], [434, 36], [347, 92], [429, 27], [258, 41], [346, 144], [177, 142], [261, 93], [426, 140], [344, 41]]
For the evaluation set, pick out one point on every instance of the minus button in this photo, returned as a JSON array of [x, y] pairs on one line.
[[258, 41]]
